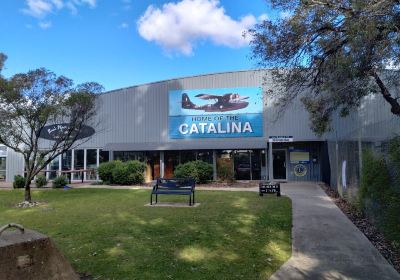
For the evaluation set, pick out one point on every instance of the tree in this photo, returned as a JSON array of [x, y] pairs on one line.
[[331, 54], [32, 101]]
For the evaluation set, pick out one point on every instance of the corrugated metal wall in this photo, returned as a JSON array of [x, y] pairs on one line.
[[15, 165], [140, 114]]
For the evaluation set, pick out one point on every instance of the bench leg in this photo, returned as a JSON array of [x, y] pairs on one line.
[[151, 199], [193, 199], [156, 198], [190, 200]]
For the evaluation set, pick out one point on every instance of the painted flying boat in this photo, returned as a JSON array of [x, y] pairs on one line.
[[223, 103]]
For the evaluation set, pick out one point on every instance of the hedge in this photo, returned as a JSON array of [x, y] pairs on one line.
[[122, 173], [201, 171]]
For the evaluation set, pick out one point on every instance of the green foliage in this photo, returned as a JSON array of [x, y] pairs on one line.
[[38, 98], [122, 173], [225, 171], [19, 182], [105, 171], [41, 181], [379, 194], [201, 171], [60, 182], [375, 179], [334, 53]]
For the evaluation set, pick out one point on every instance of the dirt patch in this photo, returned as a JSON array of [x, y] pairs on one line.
[[384, 246]]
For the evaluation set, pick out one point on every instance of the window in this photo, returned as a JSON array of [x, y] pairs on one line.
[[3, 168], [104, 156], [91, 164], [78, 163], [54, 167]]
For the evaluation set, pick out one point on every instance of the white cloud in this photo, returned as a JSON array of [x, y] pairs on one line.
[[45, 24], [38, 8], [263, 17], [41, 8], [178, 26]]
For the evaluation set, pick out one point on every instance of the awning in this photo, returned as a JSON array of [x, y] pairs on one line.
[[193, 144]]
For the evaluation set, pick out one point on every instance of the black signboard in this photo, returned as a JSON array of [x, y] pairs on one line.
[[269, 187], [56, 131]]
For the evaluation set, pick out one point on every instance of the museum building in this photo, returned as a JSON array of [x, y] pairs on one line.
[[225, 119]]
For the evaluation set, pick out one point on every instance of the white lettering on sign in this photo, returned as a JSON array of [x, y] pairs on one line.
[[278, 139], [218, 128], [183, 129]]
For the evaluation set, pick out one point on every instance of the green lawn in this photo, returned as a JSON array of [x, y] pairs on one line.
[[110, 234]]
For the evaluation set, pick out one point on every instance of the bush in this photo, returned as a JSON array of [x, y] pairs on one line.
[[379, 194], [225, 171], [19, 182], [375, 180], [60, 182], [122, 173], [41, 181], [105, 171], [128, 173], [199, 170]]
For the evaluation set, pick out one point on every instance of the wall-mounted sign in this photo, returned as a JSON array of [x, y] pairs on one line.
[[300, 170], [299, 156], [280, 139], [56, 131], [216, 113]]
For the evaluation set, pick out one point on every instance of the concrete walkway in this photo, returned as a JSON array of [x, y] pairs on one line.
[[326, 244]]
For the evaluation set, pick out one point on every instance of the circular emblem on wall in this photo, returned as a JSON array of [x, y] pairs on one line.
[[300, 170]]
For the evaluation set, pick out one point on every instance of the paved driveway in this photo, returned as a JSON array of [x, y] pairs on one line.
[[326, 244]]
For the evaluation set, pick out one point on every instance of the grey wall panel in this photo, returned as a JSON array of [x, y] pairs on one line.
[[15, 165], [139, 114]]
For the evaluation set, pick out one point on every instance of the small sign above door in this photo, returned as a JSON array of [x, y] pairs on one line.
[[280, 139]]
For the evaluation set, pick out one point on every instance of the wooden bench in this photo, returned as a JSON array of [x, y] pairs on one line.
[[174, 186], [269, 187]]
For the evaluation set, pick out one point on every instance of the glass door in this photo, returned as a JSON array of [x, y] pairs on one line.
[[279, 164], [242, 165]]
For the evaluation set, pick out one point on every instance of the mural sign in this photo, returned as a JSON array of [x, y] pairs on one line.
[[216, 113], [56, 131]]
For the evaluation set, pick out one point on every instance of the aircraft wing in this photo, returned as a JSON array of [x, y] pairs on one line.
[[208, 96]]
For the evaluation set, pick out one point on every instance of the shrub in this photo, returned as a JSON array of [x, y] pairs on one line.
[[379, 194], [375, 180], [120, 174], [199, 170], [41, 181], [19, 182], [128, 173], [105, 171], [225, 171], [60, 182]]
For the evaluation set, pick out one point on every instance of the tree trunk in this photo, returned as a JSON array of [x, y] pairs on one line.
[[28, 190]]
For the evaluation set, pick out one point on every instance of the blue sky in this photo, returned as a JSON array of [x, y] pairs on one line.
[[121, 43]]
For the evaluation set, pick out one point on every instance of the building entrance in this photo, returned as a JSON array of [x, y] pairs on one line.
[[279, 164]]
